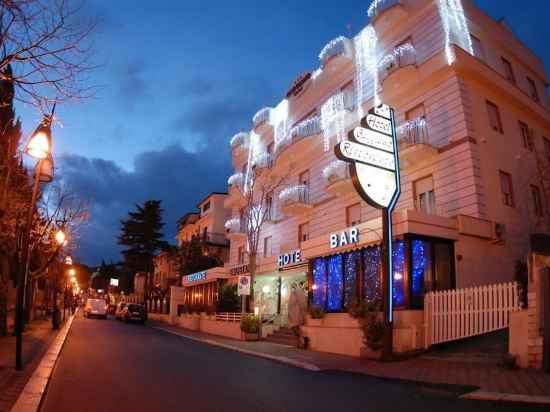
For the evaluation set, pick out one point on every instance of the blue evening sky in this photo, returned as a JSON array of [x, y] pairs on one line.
[[178, 78]]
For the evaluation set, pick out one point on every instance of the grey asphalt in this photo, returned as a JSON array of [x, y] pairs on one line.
[[107, 366]]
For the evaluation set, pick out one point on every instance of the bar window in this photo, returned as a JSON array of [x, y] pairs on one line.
[[506, 189], [425, 195], [494, 117], [533, 92], [353, 214], [508, 70], [478, 48], [537, 202], [526, 137], [303, 232]]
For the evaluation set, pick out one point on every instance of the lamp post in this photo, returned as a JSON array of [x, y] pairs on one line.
[[61, 239], [38, 147]]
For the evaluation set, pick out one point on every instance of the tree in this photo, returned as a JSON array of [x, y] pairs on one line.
[[142, 235], [48, 45], [193, 257]]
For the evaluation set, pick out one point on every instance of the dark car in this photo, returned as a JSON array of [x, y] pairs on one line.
[[134, 312]]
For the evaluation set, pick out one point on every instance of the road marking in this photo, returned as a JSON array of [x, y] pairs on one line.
[[281, 359]]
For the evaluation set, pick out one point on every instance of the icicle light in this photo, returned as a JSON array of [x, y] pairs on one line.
[[366, 73], [333, 113], [455, 27]]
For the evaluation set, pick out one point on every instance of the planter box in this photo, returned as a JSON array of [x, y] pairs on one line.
[[251, 337], [368, 353]]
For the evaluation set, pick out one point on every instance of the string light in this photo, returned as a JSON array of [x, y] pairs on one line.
[[233, 225], [413, 131], [293, 194], [336, 170], [372, 284], [379, 5], [239, 140], [319, 282], [335, 283], [236, 180], [333, 116], [263, 115], [366, 73], [455, 27]]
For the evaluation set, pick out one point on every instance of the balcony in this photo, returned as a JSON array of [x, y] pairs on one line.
[[304, 129], [338, 48], [337, 178], [294, 200], [236, 180], [401, 57], [385, 13], [235, 228], [240, 141], [414, 144], [263, 160], [216, 239], [261, 120], [236, 187]]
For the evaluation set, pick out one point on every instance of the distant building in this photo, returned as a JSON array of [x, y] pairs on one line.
[[166, 269]]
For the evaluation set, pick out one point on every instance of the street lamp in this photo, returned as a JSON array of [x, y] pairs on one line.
[[61, 240], [39, 147]]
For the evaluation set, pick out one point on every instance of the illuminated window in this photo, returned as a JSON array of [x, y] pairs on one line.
[[508, 70], [425, 195], [303, 232], [353, 214], [537, 202], [506, 189], [533, 92], [478, 48], [526, 137], [494, 117]]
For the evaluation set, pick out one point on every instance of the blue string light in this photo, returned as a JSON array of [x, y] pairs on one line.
[[398, 273], [335, 282], [371, 274], [319, 280], [350, 276], [420, 263]]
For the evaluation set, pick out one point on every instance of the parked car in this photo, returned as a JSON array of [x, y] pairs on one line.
[[119, 309], [96, 307], [134, 312]]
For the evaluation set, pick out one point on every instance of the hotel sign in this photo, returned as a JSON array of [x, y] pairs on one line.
[[196, 277], [290, 258]]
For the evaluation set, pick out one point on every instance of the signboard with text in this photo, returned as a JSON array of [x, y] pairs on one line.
[[243, 286]]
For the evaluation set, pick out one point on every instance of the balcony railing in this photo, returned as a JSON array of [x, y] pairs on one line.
[[240, 140], [262, 160], [294, 194], [402, 56], [234, 225], [236, 180], [215, 238], [336, 171], [377, 7], [413, 132], [340, 46], [306, 128], [262, 116]]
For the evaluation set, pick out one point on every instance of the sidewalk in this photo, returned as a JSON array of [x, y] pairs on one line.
[[494, 382], [36, 340]]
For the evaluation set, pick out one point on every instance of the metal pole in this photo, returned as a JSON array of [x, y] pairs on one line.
[[23, 273], [387, 282]]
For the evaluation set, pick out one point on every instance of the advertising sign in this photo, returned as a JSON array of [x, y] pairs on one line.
[[243, 288], [113, 282]]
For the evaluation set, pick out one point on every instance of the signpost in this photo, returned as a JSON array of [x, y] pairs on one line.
[[374, 168]]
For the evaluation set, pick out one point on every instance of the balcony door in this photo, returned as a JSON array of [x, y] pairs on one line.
[[304, 180]]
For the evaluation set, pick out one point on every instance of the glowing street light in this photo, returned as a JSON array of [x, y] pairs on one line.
[[60, 237], [40, 144]]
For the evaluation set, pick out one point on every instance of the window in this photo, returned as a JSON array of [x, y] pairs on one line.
[[478, 48], [546, 148], [526, 137], [304, 180], [206, 206], [416, 130], [205, 233], [425, 195], [537, 202], [506, 189], [303, 232], [267, 246], [240, 255], [508, 70], [353, 214], [533, 92], [269, 207], [494, 117]]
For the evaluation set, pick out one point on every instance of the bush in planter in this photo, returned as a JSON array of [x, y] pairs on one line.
[[373, 331], [316, 312], [250, 324]]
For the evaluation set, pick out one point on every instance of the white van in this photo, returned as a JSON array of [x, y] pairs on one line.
[[96, 307]]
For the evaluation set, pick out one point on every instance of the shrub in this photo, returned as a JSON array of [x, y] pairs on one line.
[[228, 300], [361, 309], [316, 312], [250, 324], [373, 331]]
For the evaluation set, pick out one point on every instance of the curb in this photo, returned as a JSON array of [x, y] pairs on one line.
[[281, 359], [31, 396], [480, 395]]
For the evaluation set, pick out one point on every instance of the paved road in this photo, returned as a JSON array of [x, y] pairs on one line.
[[112, 366]]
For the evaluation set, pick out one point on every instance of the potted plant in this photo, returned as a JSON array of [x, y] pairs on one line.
[[316, 315], [372, 327], [250, 327]]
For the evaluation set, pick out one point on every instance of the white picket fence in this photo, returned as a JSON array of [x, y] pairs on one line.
[[228, 316], [461, 313]]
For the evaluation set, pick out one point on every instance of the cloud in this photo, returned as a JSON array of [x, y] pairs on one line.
[[179, 178]]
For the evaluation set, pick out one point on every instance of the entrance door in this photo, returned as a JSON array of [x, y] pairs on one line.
[[545, 286]]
